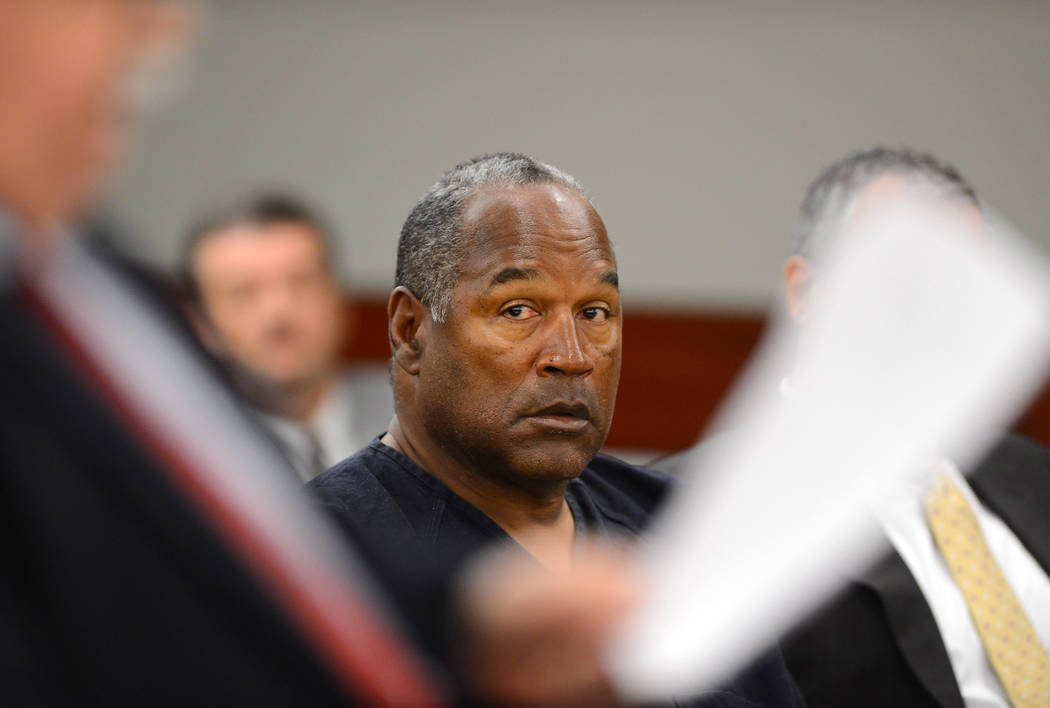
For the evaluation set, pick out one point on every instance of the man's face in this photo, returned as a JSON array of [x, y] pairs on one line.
[[271, 299], [886, 192], [63, 67], [521, 379]]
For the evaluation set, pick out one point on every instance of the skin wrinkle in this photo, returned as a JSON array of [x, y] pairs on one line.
[[508, 274]]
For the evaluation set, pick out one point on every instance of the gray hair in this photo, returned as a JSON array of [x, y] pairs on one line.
[[430, 250], [831, 194]]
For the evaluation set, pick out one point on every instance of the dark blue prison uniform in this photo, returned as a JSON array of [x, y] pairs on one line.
[[429, 532]]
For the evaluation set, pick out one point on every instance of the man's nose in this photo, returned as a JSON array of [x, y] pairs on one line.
[[563, 351], [277, 300]]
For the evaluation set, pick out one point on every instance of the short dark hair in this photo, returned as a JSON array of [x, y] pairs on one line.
[[256, 209], [833, 191], [430, 248]]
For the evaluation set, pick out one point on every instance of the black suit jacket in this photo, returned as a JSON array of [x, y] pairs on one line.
[[114, 589], [877, 644]]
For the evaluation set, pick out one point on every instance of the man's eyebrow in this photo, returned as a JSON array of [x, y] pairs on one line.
[[512, 273]]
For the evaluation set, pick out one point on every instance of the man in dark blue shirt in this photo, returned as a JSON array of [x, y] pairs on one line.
[[505, 327]]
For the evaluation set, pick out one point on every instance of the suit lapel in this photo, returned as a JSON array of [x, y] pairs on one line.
[[1014, 483], [914, 628]]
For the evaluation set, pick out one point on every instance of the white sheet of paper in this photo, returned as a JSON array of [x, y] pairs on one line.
[[922, 336]]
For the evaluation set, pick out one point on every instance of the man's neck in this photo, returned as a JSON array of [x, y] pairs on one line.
[[537, 517]]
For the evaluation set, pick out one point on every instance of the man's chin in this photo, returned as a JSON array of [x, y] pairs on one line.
[[556, 459], [293, 380]]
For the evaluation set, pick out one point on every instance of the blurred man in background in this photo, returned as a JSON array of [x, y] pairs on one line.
[[143, 563], [260, 270], [911, 631]]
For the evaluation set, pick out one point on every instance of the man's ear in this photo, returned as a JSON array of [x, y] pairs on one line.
[[798, 283], [406, 316]]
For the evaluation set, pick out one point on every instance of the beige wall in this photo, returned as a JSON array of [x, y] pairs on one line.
[[695, 125]]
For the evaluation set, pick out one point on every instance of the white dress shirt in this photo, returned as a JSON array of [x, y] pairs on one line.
[[357, 407], [336, 422], [904, 522]]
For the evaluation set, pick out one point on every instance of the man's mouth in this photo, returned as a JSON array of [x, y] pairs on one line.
[[563, 416]]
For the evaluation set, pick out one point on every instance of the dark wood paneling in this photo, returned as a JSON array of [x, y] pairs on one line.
[[677, 365], [1035, 422], [367, 341], [676, 368]]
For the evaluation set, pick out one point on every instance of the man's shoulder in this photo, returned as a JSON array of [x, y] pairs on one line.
[[1013, 482], [625, 490], [1016, 469], [1017, 454], [379, 487], [361, 474]]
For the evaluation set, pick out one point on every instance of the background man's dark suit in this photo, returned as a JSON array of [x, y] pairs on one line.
[[876, 644]]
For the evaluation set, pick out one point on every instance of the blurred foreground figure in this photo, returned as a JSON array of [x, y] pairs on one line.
[[260, 270], [907, 632], [143, 563], [505, 326]]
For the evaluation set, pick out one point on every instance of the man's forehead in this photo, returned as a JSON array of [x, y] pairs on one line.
[[884, 189], [499, 209], [261, 237], [895, 189], [518, 224], [245, 246]]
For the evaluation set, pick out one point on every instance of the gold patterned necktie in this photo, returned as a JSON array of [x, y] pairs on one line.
[[1019, 659]]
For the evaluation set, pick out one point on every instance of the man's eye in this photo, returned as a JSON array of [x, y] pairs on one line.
[[520, 312], [595, 314]]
